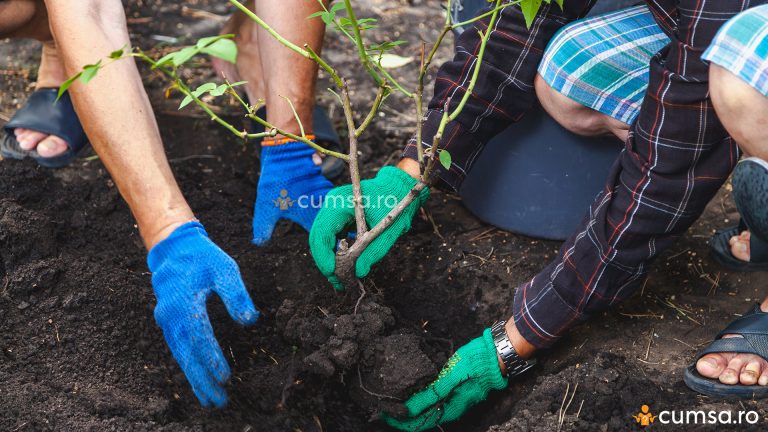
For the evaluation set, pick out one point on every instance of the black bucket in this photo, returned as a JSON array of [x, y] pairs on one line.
[[536, 178]]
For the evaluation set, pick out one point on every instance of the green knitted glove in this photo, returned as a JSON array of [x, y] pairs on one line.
[[380, 195], [465, 380]]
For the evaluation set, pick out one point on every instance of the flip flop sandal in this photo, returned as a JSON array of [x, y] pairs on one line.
[[753, 327], [720, 249], [750, 191], [42, 113], [325, 135]]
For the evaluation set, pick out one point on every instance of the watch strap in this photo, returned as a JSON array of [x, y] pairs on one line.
[[512, 361]]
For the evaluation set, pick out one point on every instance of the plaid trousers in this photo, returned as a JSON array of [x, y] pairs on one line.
[[676, 157]]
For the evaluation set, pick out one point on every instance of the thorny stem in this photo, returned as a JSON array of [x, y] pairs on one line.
[[354, 169]]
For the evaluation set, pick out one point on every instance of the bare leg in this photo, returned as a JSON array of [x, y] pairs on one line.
[[29, 19], [744, 113], [576, 117], [273, 71], [116, 114]]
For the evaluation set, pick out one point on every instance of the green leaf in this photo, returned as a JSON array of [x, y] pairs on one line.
[[205, 88], [445, 159], [220, 90], [225, 49], [67, 84], [317, 14], [89, 72], [180, 57], [204, 42], [530, 8], [337, 7], [116, 54], [186, 101], [168, 58]]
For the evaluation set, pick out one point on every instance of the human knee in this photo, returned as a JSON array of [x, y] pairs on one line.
[[741, 109], [738, 90], [568, 113]]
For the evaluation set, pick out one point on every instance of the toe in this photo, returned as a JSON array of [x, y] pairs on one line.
[[28, 139], [740, 248], [52, 146], [751, 371], [711, 365], [763, 380], [731, 373]]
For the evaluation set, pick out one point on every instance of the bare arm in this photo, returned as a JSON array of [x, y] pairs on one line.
[[116, 114]]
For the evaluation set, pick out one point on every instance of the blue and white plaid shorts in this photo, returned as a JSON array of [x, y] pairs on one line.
[[741, 47], [602, 62]]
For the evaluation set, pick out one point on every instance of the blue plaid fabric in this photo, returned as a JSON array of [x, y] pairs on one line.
[[741, 47], [602, 62]]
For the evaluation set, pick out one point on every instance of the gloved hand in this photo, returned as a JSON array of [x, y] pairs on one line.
[[380, 195], [465, 380], [186, 268], [290, 187]]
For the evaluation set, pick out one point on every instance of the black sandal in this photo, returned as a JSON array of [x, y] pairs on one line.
[[753, 327], [750, 189], [43, 113], [720, 249]]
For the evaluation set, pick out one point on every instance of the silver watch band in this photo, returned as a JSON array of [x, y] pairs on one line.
[[514, 364]]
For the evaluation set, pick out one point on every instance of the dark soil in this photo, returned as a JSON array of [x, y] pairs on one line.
[[79, 349]]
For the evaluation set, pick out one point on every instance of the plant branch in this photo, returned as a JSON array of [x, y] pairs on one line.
[[309, 142], [479, 17], [383, 89], [295, 115], [354, 169], [362, 53], [179, 84]]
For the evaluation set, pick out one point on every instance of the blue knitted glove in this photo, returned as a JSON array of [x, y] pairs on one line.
[[290, 187], [186, 268]]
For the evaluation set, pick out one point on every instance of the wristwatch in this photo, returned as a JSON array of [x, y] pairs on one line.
[[514, 364]]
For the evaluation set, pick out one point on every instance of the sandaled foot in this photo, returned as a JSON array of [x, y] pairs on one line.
[[47, 146], [735, 364], [745, 247], [740, 246], [50, 74], [735, 368]]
